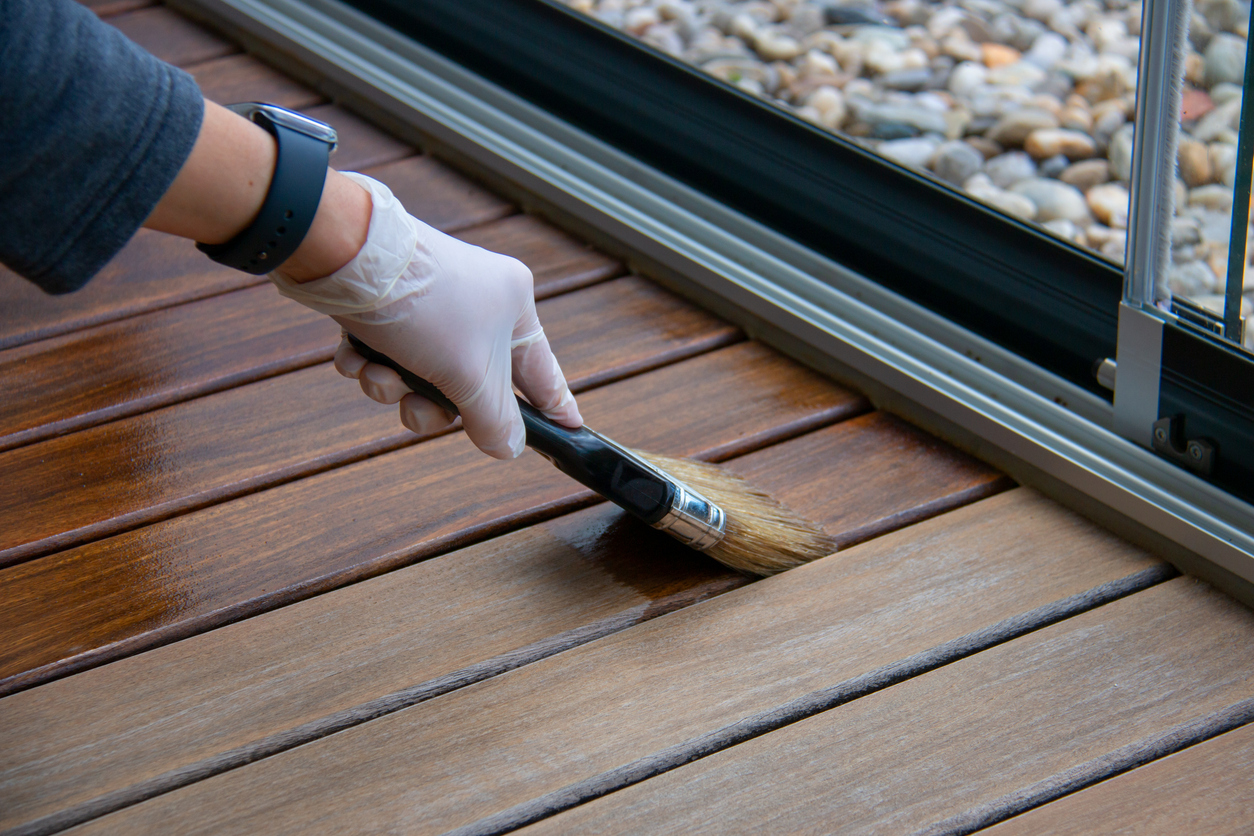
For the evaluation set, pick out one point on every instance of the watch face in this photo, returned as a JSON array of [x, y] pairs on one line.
[[288, 119]]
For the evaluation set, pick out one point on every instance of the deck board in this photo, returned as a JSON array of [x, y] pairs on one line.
[[172, 37], [1207, 788], [111, 597], [242, 78], [172, 354], [674, 678], [928, 750], [90, 484], [381, 631], [156, 271]]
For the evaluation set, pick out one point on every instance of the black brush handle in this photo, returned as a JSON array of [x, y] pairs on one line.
[[584, 455]]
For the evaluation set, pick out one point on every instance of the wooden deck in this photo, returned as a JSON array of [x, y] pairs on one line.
[[237, 597]]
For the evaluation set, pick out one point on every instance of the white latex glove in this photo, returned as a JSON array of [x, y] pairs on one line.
[[458, 315]]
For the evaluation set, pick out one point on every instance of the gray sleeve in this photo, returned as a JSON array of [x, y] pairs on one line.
[[92, 132]]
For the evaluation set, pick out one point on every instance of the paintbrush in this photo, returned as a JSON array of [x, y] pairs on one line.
[[699, 504]]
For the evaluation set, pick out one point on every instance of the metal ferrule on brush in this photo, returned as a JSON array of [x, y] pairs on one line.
[[693, 519]]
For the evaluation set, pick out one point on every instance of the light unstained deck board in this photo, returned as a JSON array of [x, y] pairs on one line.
[[1207, 788], [227, 690], [172, 37], [154, 359], [505, 741], [950, 747], [77, 608]]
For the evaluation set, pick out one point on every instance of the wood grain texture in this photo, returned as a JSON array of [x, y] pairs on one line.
[[242, 78], [438, 195], [122, 368], [153, 271], [928, 749], [172, 37], [494, 598], [222, 691], [1207, 788], [466, 754], [109, 598], [359, 144], [108, 478]]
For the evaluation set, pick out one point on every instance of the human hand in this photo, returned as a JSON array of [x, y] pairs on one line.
[[458, 315]]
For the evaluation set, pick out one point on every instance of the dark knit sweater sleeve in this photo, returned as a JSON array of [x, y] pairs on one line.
[[93, 130]]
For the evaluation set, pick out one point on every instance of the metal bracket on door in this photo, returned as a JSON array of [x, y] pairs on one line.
[[1196, 454]]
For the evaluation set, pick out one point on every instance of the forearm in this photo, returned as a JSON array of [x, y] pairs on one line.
[[221, 187]]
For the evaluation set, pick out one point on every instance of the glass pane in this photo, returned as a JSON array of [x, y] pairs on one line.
[[1026, 105], [1207, 164]]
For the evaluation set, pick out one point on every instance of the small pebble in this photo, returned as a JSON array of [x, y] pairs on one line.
[[1225, 60], [909, 152], [1109, 204], [998, 55], [1216, 198], [1120, 154], [1086, 174], [1015, 127], [1052, 142], [1010, 168], [956, 161], [1053, 199], [1194, 163]]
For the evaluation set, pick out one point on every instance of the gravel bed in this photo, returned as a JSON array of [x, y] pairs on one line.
[[1025, 105]]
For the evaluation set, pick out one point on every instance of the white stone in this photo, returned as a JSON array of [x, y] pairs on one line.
[[1053, 199], [915, 153]]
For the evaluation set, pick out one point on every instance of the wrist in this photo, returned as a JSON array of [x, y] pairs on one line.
[[337, 234]]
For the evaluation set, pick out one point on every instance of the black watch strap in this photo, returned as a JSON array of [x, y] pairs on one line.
[[290, 205]]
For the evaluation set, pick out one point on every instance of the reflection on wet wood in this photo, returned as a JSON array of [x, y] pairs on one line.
[[77, 608], [1208, 788], [173, 354], [667, 681], [242, 78], [172, 37], [122, 474], [959, 741]]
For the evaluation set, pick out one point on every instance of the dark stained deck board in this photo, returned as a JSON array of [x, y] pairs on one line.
[[156, 270], [944, 749], [172, 354], [672, 679], [242, 78], [1207, 788], [104, 479], [81, 607], [171, 37]]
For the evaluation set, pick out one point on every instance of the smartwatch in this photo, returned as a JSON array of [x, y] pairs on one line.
[[300, 169]]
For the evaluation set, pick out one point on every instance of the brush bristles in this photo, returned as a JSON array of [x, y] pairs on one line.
[[763, 537]]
